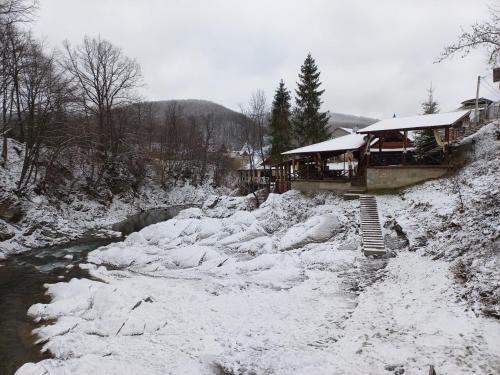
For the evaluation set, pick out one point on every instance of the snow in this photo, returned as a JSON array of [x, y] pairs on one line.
[[316, 229], [344, 143], [48, 223], [416, 122], [349, 130], [285, 289]]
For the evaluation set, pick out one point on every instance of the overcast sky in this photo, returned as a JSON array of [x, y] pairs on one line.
[[375, 57]]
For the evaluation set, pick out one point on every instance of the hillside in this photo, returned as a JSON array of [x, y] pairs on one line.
[[228, 124], [342, 120]]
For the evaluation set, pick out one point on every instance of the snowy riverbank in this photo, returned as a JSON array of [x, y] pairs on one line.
[[35, 220], [284, 289]]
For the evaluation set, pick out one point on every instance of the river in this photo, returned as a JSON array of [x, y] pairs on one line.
[[22, 279]]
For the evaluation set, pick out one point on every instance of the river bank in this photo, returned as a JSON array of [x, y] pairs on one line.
[[23, 278]]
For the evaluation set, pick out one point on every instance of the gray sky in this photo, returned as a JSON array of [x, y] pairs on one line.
[[375, 57]]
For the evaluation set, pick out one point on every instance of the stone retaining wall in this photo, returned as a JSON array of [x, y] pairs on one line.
[[379, 178], [315, 186]]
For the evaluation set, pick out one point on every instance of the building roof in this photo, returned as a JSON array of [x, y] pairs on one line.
[[344, 143], [480, 100], [438, 120]]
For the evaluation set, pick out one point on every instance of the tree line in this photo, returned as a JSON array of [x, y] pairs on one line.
[[78, 114]]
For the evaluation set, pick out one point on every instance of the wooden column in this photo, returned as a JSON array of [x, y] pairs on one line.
[[367, 153], [447, 137], [318, 165], [405, 139]]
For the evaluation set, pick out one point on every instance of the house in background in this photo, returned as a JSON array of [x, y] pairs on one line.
[[258, 174], [483, 108]]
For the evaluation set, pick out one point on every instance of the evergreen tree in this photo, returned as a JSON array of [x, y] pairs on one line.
[[309, 124], [430, 106], [280, 123], [425, 143]]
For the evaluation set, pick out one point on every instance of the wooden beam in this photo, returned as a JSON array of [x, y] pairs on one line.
[[405, 140]]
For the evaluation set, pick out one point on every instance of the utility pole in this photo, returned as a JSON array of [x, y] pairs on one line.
[[476, 113]]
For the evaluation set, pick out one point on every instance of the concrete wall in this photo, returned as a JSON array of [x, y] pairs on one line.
[[315, 186], [379, 178]]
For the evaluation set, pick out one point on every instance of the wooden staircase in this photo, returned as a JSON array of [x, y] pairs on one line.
[[371, 232]]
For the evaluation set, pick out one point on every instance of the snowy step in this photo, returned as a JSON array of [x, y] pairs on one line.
[[374, 252], [374, 243], [371, 231], [373, 240]]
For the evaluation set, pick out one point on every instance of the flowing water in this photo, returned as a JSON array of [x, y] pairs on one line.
[[22, 279]]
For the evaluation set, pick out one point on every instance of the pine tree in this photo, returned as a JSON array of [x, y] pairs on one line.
[[430, 106], [309, 124], [280, 123], [425, 143]]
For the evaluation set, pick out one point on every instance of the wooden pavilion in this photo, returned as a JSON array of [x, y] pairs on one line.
[[380, 156]]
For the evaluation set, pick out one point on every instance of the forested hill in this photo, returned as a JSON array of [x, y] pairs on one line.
[[338, 120], [228, 125]]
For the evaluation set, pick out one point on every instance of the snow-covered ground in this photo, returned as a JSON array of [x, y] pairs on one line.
[[284, 289]]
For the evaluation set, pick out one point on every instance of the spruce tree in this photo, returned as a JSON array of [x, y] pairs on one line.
[[430, 106], [425, 143], [280, 123], [309, 124]]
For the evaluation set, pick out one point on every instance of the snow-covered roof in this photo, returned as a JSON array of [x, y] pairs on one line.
[[416, 122], [344, 143], [349, 130]]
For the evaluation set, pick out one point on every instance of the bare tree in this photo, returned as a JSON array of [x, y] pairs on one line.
[[106, 79], [208, 132], [43, 95], [258, 113], [256, 116], [13, 46], [480, 35], [15, 11]]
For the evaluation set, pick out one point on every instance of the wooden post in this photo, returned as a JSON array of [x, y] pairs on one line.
[[447, 137], [380, 141], [318, 165], [367, 154], [476, 109], [405, 139]]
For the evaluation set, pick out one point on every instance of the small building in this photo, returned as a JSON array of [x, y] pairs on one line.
[[380, 156], [483, 105], [329, 165], [258, 174]]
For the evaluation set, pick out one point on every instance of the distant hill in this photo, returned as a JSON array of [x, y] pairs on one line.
[[228, 123], [341, 120]]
